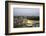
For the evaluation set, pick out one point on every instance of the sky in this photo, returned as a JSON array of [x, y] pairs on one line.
[[26, 11]]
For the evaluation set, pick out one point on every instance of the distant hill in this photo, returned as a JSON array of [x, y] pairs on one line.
[[28, 17]]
